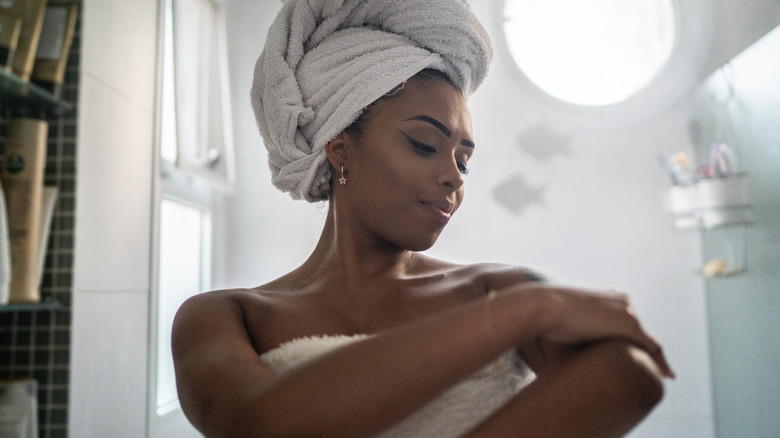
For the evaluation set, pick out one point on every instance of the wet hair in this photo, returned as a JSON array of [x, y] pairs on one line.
[[356, 128]]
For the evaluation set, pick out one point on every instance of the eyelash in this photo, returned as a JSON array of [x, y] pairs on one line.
[[426, 150]]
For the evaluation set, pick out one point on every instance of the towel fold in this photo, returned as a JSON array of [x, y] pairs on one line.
[[324, 61], [451, 414]]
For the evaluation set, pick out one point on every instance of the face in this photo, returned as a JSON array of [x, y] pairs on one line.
[[406, 170]]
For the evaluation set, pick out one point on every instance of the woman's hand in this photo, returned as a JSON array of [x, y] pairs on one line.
[[576, 317]]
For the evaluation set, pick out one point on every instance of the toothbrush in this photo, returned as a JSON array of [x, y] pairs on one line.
[[665, 166], [680, 165]]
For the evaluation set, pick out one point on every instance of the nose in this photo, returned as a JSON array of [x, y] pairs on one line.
[[451, 176]]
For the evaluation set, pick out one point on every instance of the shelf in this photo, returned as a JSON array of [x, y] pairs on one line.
[[703, 227], [43, 305], [16, 93], [741, 224], [728, 272]]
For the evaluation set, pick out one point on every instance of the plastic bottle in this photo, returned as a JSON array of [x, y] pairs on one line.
[[5, 252]]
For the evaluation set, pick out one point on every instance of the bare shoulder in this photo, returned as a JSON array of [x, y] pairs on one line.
[[210, 306], [499, 275], [225, 301], [215, 357], [478, 278], [208, 302], [227, 312], [208, 319]]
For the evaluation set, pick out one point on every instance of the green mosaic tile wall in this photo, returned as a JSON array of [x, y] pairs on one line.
[[35, 343]]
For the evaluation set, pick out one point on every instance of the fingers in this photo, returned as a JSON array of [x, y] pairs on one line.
[[656, 352], [586, 316], [643, 340], [666, 369]]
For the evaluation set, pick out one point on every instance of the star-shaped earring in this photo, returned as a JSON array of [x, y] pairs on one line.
[[342, 180]]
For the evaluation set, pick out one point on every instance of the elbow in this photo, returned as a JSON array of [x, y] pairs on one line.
[[651, 388], [639, 378], [264, 418], [219, 418], [259, 422]]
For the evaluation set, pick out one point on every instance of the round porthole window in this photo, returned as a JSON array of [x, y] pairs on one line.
[[590, 53]]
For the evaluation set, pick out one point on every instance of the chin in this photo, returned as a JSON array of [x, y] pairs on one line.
[[421, 244], [419, 248]]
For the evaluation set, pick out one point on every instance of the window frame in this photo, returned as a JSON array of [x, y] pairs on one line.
[[183, 181], [199, 165]]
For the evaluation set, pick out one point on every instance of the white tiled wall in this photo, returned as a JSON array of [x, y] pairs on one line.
[[114, 170], [120, 47], [108, 378], [112, 249]]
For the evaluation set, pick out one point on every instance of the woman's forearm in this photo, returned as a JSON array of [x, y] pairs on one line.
[[603, 391], [364, 387]]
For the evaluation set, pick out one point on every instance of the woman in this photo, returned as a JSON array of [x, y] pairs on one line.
[[368, 336]]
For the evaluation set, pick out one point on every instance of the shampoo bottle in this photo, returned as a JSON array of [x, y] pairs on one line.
[[22, 179], [5, 252]]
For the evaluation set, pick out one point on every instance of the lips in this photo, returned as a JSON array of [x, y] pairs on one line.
[[440, 209]]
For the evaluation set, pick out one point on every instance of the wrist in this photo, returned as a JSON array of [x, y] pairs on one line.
[[520, 316]]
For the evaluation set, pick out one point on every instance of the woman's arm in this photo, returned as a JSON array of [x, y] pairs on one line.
[[602, 390], [357, 390], [608, 385], [367, 386], [541, 353]]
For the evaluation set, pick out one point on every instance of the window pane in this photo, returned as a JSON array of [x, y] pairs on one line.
[[182, 273], [201, 90], [168, 140], [194, 36]]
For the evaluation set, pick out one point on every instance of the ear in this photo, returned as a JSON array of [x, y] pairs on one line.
[[337, 150]]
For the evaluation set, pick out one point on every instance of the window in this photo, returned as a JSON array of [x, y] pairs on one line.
[[195, 173], [590, 53], [183, 255]]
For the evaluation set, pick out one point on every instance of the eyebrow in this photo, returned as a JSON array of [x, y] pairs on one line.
[[440, 126]]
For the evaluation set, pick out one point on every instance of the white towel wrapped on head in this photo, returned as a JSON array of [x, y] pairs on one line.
[[324, 61]]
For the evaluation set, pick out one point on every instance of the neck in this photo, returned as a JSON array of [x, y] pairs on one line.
[[345, 254]]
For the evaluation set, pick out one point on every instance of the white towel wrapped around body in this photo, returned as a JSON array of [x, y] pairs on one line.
[[451, 414], [324, 61]]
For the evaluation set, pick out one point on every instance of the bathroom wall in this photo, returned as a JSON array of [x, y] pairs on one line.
[[743, 309], [598, 220], [580, 202], [35, 343], [113, 232]]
